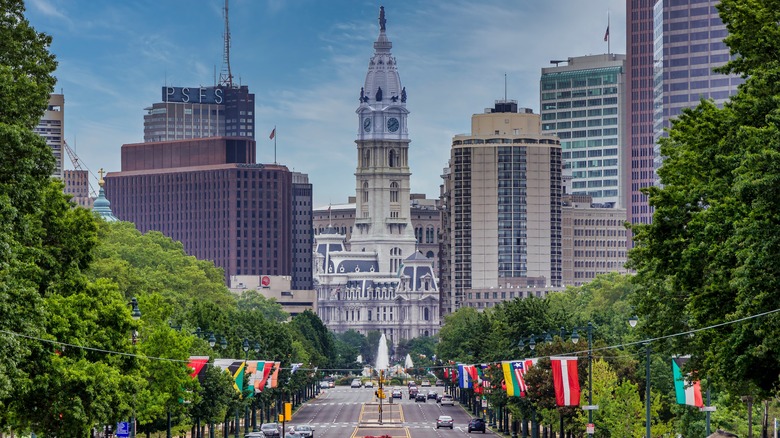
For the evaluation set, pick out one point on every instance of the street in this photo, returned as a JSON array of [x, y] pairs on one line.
[[346, 412]]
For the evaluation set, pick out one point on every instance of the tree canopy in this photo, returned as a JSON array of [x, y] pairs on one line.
[[708, 258]]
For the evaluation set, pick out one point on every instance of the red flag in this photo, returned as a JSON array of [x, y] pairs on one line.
[[566, 381], [273, 133], [606, 35], [197, 363]]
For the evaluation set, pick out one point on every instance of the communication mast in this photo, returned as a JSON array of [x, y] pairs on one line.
[[225, 75]]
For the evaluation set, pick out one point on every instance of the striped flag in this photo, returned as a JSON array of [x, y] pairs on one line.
[[566, 381], [687, 392], [464, 376], [514, 376]]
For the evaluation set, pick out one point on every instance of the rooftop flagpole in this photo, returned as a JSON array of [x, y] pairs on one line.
[[606, 35], [273, 137]]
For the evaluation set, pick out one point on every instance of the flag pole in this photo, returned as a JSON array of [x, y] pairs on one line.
[[608, 38], [275, 144]]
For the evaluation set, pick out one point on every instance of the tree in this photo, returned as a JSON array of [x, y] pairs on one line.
[[708, 258], [254, 300]]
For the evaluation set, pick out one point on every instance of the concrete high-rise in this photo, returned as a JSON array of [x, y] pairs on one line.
[[381, 282], [502, 206], [671, 47], [302, 232], [582, 103], [52, 128]]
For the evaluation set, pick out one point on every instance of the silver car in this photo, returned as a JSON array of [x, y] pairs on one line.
[[271, 429], [304, 430], [444, 421]]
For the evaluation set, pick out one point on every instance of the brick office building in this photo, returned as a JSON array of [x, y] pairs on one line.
[[209, 194]]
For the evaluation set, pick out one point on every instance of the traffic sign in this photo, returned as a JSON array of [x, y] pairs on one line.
[[123, 429], [590, 407], [591, 428]]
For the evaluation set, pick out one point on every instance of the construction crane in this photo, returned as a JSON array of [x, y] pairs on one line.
[[74, 159]]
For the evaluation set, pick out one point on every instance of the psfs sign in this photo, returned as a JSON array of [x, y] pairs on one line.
[[214, 95]]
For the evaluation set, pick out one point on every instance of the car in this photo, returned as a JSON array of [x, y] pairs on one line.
[[477, 424], [270, 429], [425, 383], [411, 383], [439, 382], [420, 398], [324, 384], [356, 383], [432, 395], [438, 397], [369, 384], [447, 399], [331, 384], [444, 421], [293, 435], [254, 435], [413, 393], [303, 430], [397, 393]]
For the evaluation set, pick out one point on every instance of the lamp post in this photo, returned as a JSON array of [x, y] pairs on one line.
[[135, 313], [256, 348], [632, 321], [575, 337], [531, 340]]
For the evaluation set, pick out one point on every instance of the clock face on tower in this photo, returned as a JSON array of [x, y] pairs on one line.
[[367, 124], [392, 124]]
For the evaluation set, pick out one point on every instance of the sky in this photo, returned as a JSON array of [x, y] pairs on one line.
[[305, 61]]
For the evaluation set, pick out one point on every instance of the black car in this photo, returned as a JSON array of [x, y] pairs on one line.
[[432, 395], [477, 424], [413, 392], [420, 398]]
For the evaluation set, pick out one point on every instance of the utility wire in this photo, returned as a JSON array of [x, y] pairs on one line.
[[627, 344]]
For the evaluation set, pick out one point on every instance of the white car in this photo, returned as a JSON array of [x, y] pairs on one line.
[[270, 429], [356, 383], [369, 384], [447, 400]]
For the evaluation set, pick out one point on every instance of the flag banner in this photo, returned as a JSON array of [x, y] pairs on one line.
[[606, 34], [514, 376], [235, 368], [273, 134], [688, 392], [565, 380], [273, 381], [261, 381], [197, 364], [463, 376]]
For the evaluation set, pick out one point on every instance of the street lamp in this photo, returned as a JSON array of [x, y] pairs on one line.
[[575, 337], [632, 321], [135, 313]]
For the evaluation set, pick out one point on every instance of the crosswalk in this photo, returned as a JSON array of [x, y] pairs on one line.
[[411, 425]]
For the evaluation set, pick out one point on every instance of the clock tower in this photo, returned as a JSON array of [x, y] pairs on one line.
[[382, 222]]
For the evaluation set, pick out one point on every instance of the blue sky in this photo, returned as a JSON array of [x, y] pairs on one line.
[[306, 60]]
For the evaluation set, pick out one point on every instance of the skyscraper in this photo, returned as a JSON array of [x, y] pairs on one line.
[[199, 112], [672, 47], [52, 128], [210, 195], [583, 104], [382, 282], [502, 200]]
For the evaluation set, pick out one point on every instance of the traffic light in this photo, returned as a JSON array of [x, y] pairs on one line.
[[379, 393]]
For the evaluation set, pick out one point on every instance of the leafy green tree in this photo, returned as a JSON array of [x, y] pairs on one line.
[[708, 256], [254, 300]]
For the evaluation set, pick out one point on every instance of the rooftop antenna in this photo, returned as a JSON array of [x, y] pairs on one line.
[[504, 87], [226, 76]]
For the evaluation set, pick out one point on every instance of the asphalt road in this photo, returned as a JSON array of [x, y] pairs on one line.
[[345, 412]]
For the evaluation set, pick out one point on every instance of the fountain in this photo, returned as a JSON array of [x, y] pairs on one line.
[[382, 364]]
